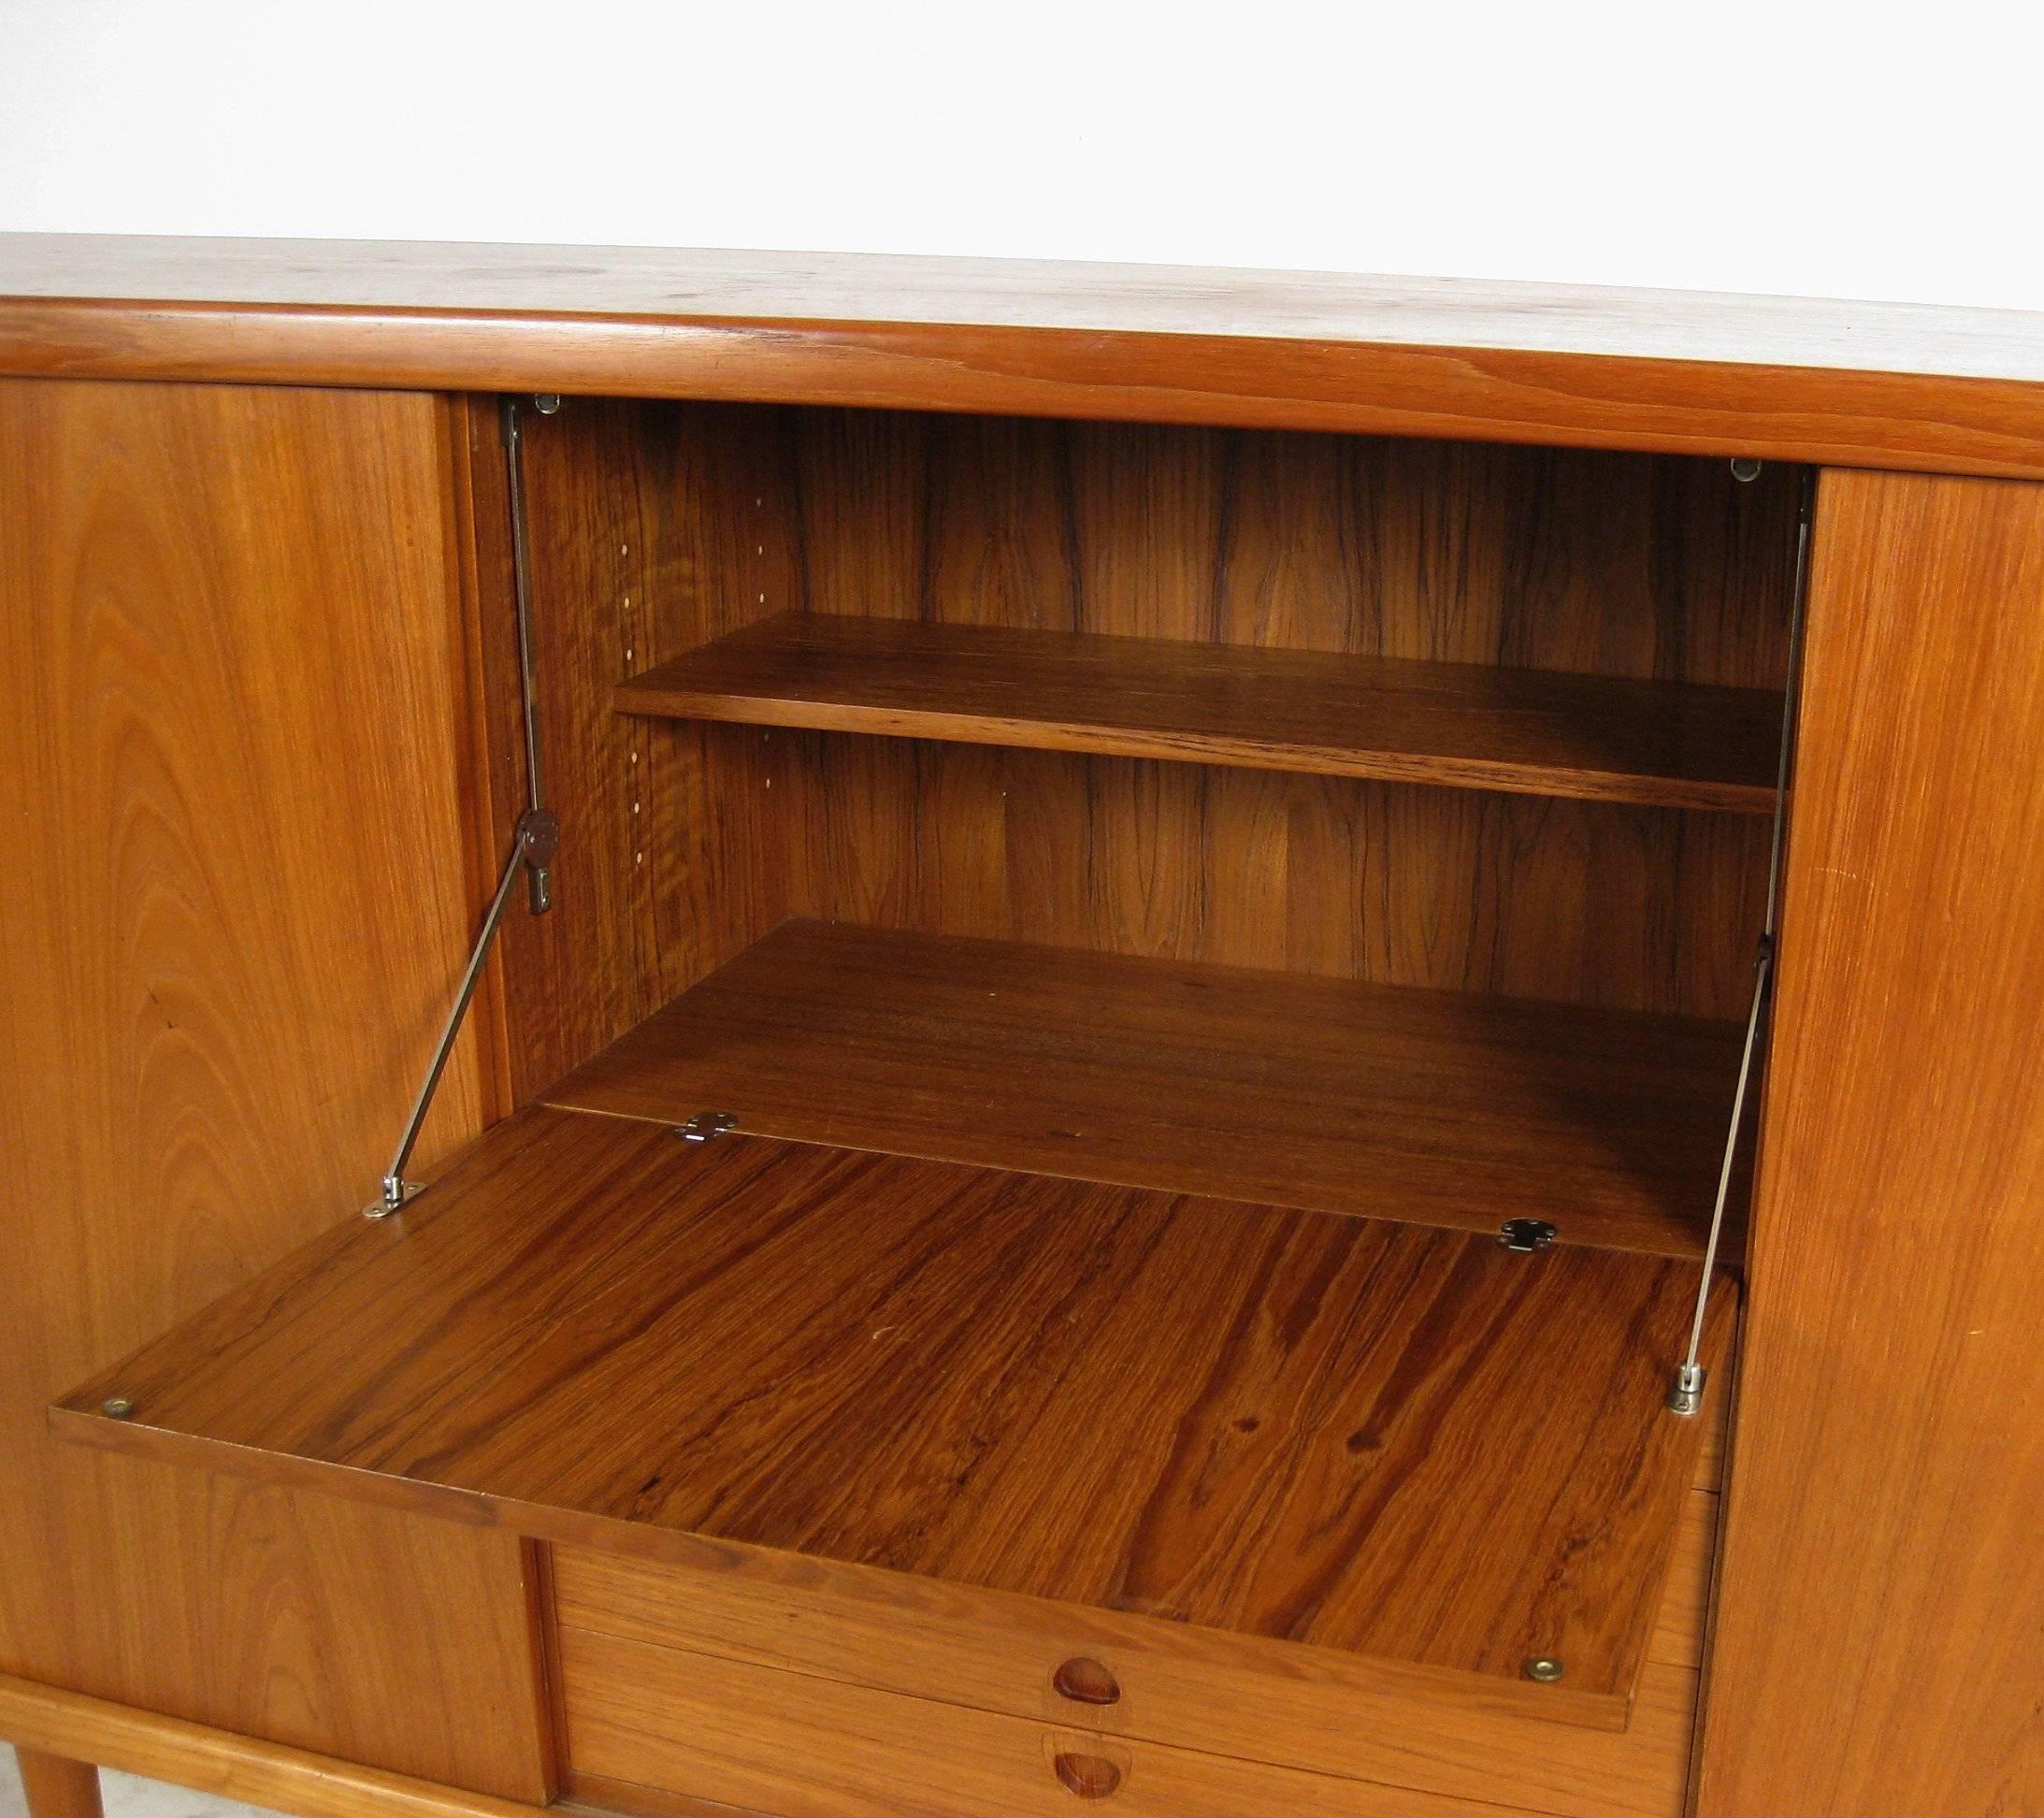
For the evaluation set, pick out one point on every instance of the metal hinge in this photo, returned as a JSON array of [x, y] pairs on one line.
[[706, 1126], [1527, 1234]]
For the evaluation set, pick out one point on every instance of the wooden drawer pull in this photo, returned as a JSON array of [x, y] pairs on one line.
[[1091, 1777], [1085, 1681]]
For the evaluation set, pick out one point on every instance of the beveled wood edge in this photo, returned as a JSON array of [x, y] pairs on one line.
[[1837, 416], [638, 1540], [244, 1768]]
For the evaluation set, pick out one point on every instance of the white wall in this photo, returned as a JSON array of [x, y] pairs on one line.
[[1839, 149]]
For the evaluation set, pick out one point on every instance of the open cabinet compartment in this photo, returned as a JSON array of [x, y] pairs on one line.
[[1155, 904]]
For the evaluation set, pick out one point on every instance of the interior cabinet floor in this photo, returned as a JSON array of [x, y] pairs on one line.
[[1442, 1107]]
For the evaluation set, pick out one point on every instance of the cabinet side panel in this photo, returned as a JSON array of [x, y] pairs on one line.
[[653, 528], [233, 741], [1878, 1647]]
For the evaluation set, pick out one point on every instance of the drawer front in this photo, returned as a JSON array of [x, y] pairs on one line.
[[688, 1726], [952, 1654]]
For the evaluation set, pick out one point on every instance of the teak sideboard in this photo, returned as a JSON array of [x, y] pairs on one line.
[[1213, 1043]]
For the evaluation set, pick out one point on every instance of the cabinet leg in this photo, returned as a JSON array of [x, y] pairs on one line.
[[58, 1788]]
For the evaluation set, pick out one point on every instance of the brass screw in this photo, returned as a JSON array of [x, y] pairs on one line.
[[117, 1408], [1545, 1669]]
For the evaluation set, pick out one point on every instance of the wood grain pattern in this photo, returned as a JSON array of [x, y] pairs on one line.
[[1856, 383], [307, 1609], [54, 1787], [232, 1766], [1568, 902], [1441, 1107], [1274, 1422], [213, 1028], [1460, 725], [1296, 1708], [1603, 564], [1878, 1649]]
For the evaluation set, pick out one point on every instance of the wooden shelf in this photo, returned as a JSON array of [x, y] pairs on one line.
[[1464, 725], [1408, 1445], [1435, 1106]]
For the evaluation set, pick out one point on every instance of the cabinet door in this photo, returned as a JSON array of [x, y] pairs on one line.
[[1878, 1649], [236, 745]]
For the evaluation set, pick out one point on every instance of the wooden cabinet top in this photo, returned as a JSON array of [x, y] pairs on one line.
[[1869, 384]]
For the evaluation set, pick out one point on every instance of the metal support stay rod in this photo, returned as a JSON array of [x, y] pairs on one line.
[[533, 841], [515, 456], [1686, 1394], [538, 834]]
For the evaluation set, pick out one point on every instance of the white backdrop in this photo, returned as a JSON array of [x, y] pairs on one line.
[[1830, 150]]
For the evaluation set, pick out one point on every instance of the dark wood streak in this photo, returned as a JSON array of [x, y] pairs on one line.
[[1623, 565]]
